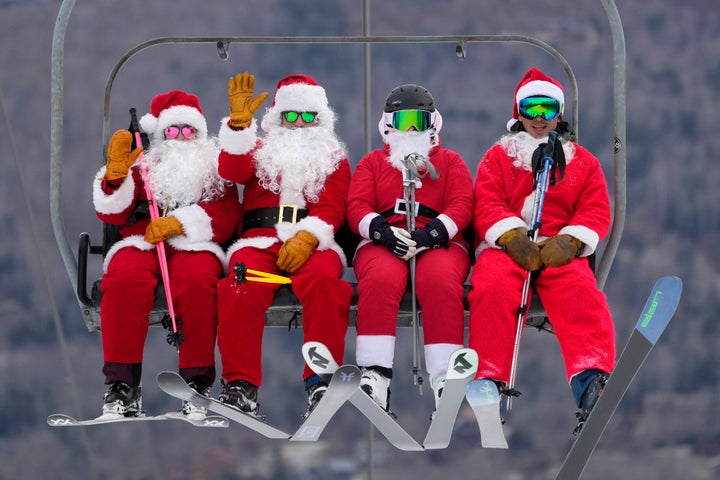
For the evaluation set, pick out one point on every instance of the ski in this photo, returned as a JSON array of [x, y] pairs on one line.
[[318, 357], [659, 310], [174, 385], [211, 421], [484, 399], [461, 369], [345, 381], [62, 420]]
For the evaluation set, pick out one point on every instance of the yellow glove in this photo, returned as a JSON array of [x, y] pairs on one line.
[[559, 250], [120, 158], [296, 251], [163, 228], [521, 249], [240, 96]]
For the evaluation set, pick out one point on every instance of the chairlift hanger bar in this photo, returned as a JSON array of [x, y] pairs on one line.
[[461, 42]]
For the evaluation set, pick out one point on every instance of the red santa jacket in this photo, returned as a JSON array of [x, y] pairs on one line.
[[577, 205], [377, 187], [324, 217], [206, 224]]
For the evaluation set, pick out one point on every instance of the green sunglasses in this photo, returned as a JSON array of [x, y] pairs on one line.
[[307, 117], [403, 120], [545, 107]]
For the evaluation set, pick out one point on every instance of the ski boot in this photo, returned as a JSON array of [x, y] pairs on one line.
[[589, 399], [192, 410], [376, 384], [315, 387], [241, 395], [122, 400]]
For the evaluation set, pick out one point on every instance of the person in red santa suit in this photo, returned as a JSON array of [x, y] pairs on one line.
[[199, 211], [410, 126], [575, 217], [295, 181]]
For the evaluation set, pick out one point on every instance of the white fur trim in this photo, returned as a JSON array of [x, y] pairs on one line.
[[375, 350], [589, 237], [116, 202], [449, 224], [255, 242], [237, 141], [541, 87], [437, 356], [364, 225], [136, 241], [300, 97], [322, 230], [196, 223], [504, 225]]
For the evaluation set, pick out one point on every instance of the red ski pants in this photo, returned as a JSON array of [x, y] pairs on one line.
[[318, 285]]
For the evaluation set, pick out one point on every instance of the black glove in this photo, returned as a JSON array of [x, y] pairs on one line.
[[397, 240], [434, 234]]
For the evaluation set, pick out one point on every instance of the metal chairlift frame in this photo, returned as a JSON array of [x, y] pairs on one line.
[[286, 307]]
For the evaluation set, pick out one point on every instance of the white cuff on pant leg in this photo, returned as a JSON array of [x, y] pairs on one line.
[[375, 350], [437, 356]]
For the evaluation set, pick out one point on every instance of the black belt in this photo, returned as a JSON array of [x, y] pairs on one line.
[[271, 216], [401, 209]]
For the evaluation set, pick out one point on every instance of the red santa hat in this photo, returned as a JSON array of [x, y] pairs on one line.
[[174, 108], [535, 83], [298, 93]]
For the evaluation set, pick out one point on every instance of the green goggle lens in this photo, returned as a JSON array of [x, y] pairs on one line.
[[403, 120], [307, 117], [546, 108]]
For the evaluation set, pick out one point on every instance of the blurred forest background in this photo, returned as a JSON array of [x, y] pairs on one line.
[[666, 427]]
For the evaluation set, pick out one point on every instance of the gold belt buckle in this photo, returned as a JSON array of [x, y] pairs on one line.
[[281, 212]]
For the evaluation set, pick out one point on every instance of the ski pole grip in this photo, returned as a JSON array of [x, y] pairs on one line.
[[141, 138]]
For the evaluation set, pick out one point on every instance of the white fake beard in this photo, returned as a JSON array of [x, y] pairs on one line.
[[520, 147], [295, 162], [403, 144], [183, 173]]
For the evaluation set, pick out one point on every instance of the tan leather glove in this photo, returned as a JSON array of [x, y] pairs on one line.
[[559, 250], [240, 96], [521, 249], [163, 228], [296, 251], [119, 156]]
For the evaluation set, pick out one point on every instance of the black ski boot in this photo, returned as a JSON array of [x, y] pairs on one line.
[[122, 399], [315, 393], [241, 395], [589, 399]]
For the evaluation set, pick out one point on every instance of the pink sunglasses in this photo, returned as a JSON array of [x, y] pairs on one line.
[[173, 131]]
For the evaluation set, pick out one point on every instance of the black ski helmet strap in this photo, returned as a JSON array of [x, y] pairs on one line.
[[409, 97]]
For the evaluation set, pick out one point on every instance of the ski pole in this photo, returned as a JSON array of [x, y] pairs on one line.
[[410, 173], [174, 338], [542, 180]]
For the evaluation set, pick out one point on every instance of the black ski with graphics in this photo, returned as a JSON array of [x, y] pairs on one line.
[[659, 310]]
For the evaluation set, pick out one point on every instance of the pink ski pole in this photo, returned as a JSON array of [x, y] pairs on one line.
[[174, 338]]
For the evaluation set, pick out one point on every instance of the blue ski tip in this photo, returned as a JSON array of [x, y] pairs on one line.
[[659, 308]]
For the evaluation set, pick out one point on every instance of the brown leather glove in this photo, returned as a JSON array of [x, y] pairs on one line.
[[240, 96], [559, 250], [120, 158], [296, 251], [521, 249], [163, 228]]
